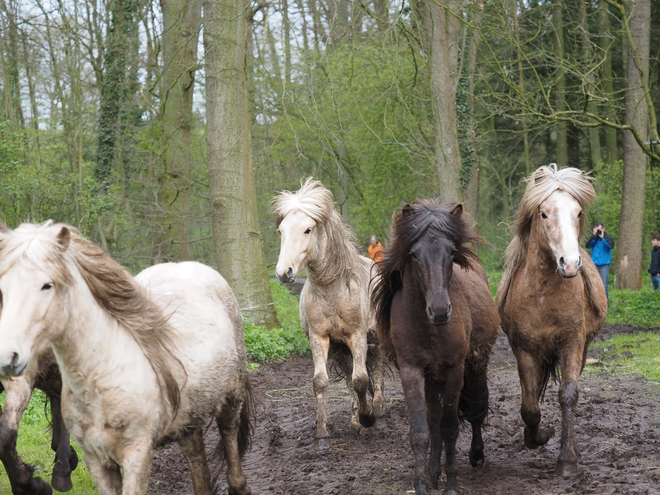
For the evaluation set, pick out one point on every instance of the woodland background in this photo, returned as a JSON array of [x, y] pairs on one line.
[[162, 130]]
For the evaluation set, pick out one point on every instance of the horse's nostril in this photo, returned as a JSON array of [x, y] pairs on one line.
[[561, 261], [14, 360], [289, 272]]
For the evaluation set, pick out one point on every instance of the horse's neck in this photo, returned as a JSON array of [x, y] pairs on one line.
[[95, 352], [327, 267]]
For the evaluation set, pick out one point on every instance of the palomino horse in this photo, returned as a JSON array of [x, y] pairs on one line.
[[334, 303], [139, 366], [551, 299], [43, 374], [437, 319]]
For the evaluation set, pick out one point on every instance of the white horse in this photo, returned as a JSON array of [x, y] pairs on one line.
[[139, 367], [335, 309]]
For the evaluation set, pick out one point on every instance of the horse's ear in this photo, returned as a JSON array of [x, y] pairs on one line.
[[457, 211], [63, 238], [3, 228], [407, 210]]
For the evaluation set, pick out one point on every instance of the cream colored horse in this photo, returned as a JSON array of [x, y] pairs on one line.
[[335, 310], [139, 366]]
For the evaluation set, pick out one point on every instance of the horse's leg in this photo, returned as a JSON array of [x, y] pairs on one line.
[[17, 396], [107, 478], [531, 380], [354, 426], [360, 383], [377, 377], [66, 458], [412, 380], [229, 424], [320, 346], [434, 414], [136, 466], [571, 365], [474, 405], [192, 446], [451, 391]]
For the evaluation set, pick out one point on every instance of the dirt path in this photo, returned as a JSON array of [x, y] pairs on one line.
[[617, 425]]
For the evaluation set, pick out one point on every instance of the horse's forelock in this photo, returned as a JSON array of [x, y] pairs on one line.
[[312, 198], [36, 244]]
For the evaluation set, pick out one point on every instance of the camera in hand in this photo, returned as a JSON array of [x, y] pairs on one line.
[[599, 232]]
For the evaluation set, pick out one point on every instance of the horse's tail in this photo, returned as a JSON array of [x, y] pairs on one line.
[[473, 407], [549, 368]]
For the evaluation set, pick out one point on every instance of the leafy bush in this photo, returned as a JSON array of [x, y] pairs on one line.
[[636, 353], [637, 308], [279, 343]]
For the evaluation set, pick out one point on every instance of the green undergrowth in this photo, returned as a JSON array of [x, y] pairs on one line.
[[277, 343], [636, 308], [633, 353], [34, 447]]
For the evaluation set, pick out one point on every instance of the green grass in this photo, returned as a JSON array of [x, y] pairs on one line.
[[636, 308], [635, 353]]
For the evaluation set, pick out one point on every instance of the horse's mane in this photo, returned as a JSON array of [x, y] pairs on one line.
[[318, 203], [111, 285], [540, 185], [408, 227]]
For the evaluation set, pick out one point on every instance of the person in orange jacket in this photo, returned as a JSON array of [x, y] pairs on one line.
[[375, 250]]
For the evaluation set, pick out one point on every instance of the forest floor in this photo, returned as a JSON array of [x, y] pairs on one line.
[[617, 429]]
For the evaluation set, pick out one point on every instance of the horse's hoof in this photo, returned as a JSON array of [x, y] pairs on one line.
[[477, 460], [322, 443], [353, 433], [367, 420], [541, 438], [61, 482], [420, 489], [566, 469]]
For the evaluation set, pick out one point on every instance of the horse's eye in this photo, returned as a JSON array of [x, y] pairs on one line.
[[543, 215], [453, 252], [47, 286], [413, 256], [308, 230], [579, 214]]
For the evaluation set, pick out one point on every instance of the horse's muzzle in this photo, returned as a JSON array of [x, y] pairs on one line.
[[438, 319], [13, 366], [287, 277], [569, 270]]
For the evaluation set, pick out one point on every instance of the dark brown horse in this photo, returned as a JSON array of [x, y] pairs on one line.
[[436, 317], [551, 300], [18, 390]]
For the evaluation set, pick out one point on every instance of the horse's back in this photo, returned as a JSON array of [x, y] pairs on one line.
[[204, 313]]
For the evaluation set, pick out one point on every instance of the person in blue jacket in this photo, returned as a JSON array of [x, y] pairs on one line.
[[601, 245]]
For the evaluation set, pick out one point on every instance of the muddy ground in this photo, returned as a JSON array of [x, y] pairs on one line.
[[617, 425]]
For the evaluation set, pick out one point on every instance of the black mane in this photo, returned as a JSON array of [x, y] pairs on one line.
[[408, 226]]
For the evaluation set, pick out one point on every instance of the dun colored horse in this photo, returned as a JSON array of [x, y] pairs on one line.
[[551, 300], [335, 312], [139, 367], [44, 375], [437, 319]]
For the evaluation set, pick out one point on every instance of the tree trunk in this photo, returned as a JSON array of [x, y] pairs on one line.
[[236, 233], [606, 76], [181, 24], [443, 40], [629, 255], [594, 132], [561, 149]]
